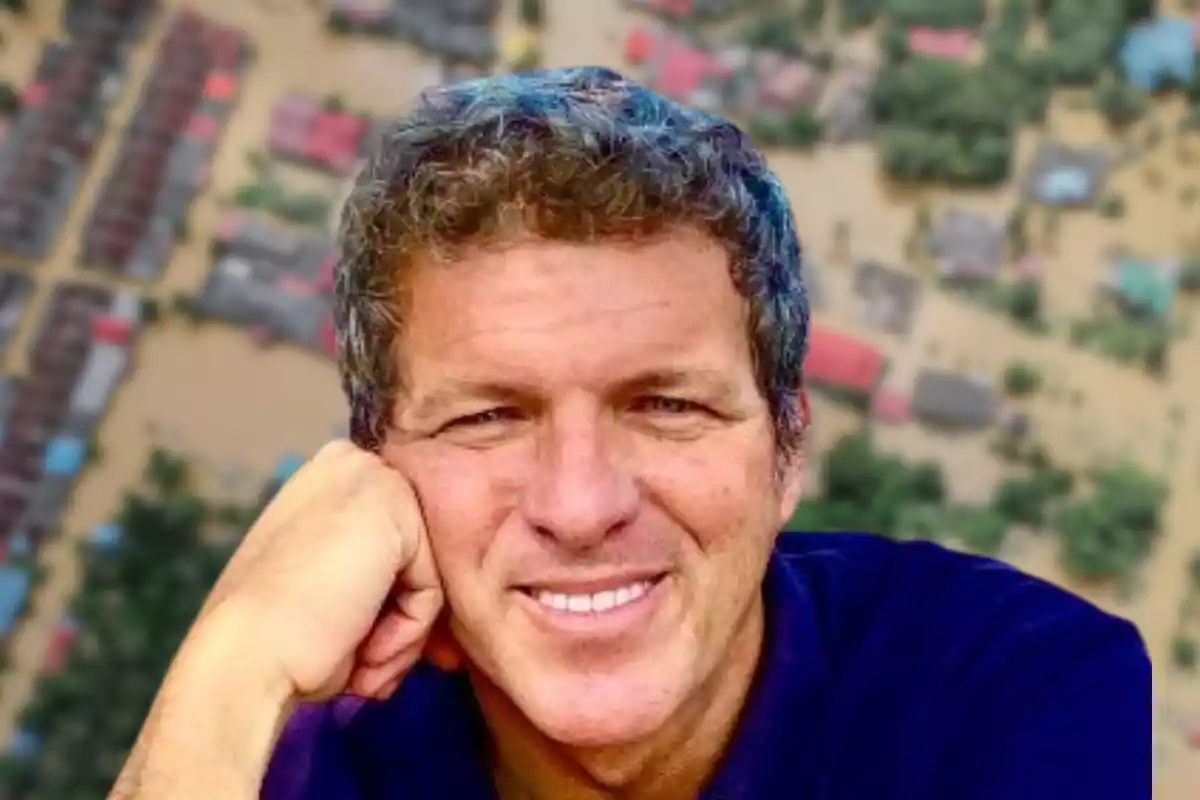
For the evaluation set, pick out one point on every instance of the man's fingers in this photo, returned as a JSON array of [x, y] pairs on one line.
[[392, 635]]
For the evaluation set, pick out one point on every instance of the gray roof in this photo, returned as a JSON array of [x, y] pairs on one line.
[[100, 377], [889, 296], [233, 294], [256, 239], [1051, 156], [968, 245], [126, 305], [953, 401]]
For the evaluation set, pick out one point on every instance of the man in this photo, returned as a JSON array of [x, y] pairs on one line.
[[571, 325]]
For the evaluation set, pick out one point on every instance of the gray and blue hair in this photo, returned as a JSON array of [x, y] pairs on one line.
[[577, 154]]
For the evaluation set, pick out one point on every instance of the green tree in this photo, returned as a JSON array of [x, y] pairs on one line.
[[166, 472], [1183, 653], [1025, 302], [1022, 378], [1109, 533], [803, 128], [1121, 102], [533, 13]]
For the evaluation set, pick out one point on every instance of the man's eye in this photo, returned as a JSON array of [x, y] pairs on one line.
[[668, 405], [489, 417]]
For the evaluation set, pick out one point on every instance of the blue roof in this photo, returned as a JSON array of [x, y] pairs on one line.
[[24, 745], [14, 590], [1163, 48], [64, 456], [106, 536], [19, 545], [1067, 184], [287, 466]]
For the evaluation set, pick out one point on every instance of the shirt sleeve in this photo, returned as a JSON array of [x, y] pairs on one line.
[[1071, 717], [310, 761]]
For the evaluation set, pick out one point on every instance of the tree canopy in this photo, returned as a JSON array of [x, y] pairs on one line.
[[135, 603]]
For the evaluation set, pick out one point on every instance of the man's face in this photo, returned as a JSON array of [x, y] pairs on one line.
[[597, 471]]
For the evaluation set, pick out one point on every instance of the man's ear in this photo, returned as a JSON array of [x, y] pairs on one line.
[[793, 469]]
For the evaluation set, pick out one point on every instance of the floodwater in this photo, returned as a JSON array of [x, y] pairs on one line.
[[211, 393]]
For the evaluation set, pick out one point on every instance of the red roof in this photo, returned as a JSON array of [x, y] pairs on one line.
[[220, 86], [683, 69], [56, 652], [835, 359], [891, 406], [111, 330], [34, 95], [954, 44], [324, 281], [639, 44]]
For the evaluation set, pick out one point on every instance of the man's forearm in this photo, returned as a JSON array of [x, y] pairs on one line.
[[211, 729]]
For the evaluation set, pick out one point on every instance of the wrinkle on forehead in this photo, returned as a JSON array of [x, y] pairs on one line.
[[544, 307]]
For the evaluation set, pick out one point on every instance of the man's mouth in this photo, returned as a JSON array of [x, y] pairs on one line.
[[592, 602]]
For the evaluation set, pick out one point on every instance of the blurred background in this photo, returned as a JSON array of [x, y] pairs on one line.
[[998, 200]]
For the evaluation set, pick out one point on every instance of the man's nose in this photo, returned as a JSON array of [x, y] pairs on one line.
[[579, 492]]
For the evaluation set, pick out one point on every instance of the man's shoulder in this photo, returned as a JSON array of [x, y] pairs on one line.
[[349, 748], [924, 599]]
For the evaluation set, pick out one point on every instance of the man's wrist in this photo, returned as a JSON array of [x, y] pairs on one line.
[[215, 722], [220, 665]]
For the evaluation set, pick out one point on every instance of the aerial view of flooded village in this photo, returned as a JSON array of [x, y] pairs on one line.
[[999, 199]]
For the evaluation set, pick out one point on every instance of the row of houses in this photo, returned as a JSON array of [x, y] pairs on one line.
[[61, 119], [273, 280], [165, 152], [48, 419], [456, 30]]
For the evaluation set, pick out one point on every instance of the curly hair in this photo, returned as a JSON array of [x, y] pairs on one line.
[[580, 154]]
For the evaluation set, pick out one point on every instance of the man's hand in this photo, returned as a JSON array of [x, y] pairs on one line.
[[334, 589], [335, 583]]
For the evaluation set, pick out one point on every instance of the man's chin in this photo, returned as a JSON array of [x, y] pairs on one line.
[[600, 713]]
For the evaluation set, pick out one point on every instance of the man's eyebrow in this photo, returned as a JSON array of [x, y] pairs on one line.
[[453, 390], [709, 381]]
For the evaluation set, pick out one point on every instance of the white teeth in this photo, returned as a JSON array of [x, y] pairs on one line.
[[593, 603]]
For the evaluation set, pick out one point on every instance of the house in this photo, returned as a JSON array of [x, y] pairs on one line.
[[968, 246], [14, 593], [1142, 288], [838, 361], [24, 746], [781, 84], [59, 647], [1158, 53], [1064, 176], [302, 129], [887, 297], [848, 117], [951, 44], [254, 239], [949, 400], [679, 68]]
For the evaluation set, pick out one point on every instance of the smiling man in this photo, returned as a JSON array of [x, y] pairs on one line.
[[572, 324]]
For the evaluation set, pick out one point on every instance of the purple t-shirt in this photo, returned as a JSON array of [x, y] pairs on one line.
[[890, 672]]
